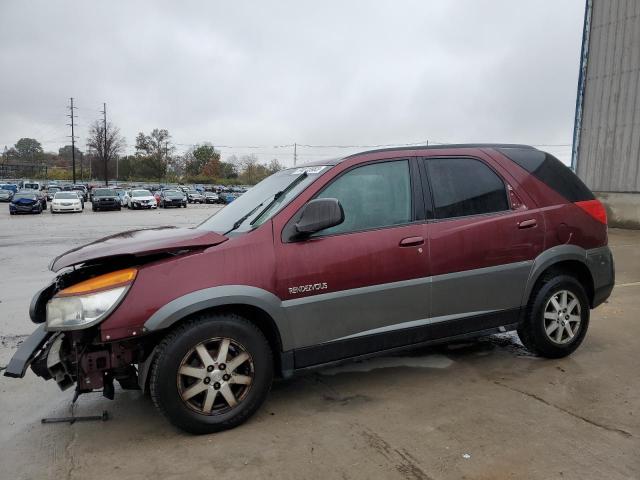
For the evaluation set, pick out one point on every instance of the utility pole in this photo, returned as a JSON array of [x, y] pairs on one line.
[[73, 139], [104, 118], [295, 154]]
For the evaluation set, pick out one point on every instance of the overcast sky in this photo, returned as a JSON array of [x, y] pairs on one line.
[[273, 73]]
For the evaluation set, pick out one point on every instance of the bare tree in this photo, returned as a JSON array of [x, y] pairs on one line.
[[105, 145]]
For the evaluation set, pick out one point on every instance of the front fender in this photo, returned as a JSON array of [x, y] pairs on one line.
[[219, 296]]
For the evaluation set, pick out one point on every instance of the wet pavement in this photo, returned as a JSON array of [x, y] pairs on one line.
[[484, 409]]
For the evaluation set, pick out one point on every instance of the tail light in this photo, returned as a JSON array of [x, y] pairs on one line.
[[595, 209]]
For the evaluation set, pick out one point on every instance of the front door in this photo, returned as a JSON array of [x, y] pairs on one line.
[[348, 287]]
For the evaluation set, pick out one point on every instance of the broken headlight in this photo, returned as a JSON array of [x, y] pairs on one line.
[[89, 302]]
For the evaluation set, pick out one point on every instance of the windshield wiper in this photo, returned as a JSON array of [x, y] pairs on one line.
[[242, 219], [289, 187]]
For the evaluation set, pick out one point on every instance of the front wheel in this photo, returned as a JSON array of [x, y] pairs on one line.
[[557, 317], [212, 373]]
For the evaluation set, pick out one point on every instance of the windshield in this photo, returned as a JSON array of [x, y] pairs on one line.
[[29, 196], [141, 193], [33, 186], [65, 195], [104, 192], [173, 194], [259, 197]]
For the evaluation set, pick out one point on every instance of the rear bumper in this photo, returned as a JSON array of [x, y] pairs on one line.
[[601, 264]]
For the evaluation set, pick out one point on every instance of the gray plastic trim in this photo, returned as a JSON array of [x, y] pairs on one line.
[[599, 261], [217, 296], [413, 323]]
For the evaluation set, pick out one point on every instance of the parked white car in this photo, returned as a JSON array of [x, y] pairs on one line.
[[135, 199], [66, 202]]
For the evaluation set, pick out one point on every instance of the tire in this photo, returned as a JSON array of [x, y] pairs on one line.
[[177, 347], [95, 209], [532, 331], [119, 208]]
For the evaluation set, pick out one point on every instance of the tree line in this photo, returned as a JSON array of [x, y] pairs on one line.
[[155, 159]]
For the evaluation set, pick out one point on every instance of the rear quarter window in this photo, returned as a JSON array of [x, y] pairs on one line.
[[551, 171]]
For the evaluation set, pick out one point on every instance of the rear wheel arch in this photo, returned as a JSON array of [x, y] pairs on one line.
[[573, 267]]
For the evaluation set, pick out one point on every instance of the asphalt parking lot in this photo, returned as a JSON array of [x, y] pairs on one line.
[[479, 410]]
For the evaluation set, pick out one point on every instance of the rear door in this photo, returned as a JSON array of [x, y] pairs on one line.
[[482, 242], [350, 289]]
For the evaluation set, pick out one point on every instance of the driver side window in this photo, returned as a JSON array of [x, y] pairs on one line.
[[372, 196]]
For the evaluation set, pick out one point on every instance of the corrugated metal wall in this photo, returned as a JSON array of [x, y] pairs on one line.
[[608, 155]]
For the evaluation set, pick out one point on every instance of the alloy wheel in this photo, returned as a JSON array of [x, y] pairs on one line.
[[562, 317], [215, 376]]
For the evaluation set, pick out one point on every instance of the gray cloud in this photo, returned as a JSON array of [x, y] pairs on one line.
[[269, 73]]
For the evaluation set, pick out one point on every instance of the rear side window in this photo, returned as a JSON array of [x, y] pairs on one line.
[[372, 196], [551, 171], [463, 187]]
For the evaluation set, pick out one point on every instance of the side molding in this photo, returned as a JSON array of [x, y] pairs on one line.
[[218, 296]]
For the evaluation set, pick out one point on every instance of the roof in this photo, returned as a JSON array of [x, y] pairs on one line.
[[335, 161]]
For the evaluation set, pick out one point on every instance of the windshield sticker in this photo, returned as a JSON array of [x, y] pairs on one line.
[[311, 170]]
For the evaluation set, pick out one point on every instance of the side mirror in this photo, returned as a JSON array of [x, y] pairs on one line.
[[319, 214]]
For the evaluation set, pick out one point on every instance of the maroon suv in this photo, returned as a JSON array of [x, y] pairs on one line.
[[335, 260]]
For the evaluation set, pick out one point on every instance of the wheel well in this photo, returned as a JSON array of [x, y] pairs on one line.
[[576, 269], [258, 317]]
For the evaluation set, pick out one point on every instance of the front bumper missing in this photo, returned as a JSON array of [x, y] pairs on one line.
[[72, 359]]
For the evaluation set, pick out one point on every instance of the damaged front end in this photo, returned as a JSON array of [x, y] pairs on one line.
[[77, 358], [66, 346]]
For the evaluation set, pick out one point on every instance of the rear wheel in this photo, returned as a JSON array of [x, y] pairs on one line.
[[212, 373], [557, 317]]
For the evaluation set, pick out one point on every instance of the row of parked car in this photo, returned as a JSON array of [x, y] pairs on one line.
[[29, 198]]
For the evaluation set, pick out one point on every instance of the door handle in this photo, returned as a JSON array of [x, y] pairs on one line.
[[528, 223], [411, 241]]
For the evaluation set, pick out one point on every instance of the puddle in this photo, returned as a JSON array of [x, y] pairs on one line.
[[427, 361]]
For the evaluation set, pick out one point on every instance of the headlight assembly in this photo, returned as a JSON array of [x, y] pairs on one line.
[[87, 303]]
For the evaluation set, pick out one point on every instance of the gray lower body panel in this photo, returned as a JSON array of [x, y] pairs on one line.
[[331, 317], [600, 263]]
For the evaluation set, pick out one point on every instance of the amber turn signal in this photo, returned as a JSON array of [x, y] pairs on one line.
[[102, 282]]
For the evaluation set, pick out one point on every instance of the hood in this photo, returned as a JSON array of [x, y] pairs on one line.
[[138, 243], [24, 201]]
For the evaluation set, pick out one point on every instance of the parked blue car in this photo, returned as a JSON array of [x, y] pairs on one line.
[[25, 203]]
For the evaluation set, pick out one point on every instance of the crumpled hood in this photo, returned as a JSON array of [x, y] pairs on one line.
[[138, 243], [24, 201]]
